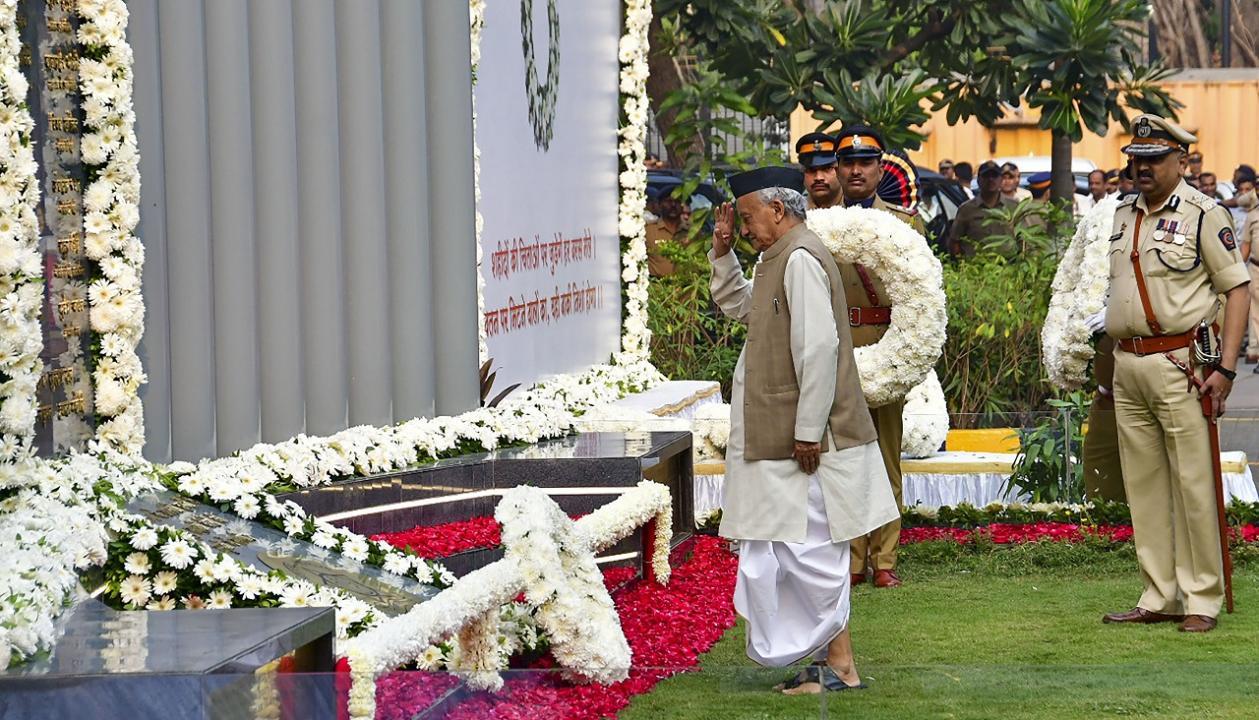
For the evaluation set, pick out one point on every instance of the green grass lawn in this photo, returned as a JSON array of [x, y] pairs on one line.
[[1006, 633]]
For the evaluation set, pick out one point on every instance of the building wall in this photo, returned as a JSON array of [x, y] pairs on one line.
[[1222, 109], [307, 215]]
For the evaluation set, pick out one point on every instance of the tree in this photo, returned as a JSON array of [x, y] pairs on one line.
[[877, 61], [1078, 62]]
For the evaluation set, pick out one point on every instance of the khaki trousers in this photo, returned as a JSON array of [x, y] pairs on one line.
[[881, 545], [1167, 472], [1252, 344], [1103, 476]]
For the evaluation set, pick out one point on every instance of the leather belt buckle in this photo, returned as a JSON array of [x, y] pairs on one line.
[[854, 316], [1138, 345]]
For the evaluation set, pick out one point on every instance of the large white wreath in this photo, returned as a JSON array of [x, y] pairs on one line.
[[926, 419], [1079, 290], [911, 273]]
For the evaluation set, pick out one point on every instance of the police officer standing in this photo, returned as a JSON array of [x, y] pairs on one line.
[[846, 169], [1172, 253]]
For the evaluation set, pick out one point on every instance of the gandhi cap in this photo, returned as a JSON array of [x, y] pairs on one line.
[[816, 150], [859, 141], [1153, 135], [766, 177]]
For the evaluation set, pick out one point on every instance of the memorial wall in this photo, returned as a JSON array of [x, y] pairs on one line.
[[547, 105]]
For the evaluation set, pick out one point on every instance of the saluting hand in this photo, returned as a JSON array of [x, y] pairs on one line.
[[808, 455], [723, 229]]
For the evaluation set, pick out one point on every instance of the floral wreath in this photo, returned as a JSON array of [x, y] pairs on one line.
[[911, 273], [21, 281], [1079, 291], [926, 419], [541, 98]]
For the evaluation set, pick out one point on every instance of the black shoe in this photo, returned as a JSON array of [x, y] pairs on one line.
[[1256, 370]]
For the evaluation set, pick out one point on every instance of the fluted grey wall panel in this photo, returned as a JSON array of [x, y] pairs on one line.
[[406, 189], [297, 273], [237, 410], [368, 322], [181, 28], [447, 62], [276, 219], [319, 203], [152, 228]]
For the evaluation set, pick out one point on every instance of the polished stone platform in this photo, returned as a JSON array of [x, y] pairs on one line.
[[581, 473], [140, 665], [266, 549]]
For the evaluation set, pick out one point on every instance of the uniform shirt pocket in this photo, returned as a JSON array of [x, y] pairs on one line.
[[1163, 259]]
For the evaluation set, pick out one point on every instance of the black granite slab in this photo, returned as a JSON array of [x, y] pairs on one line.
[[267, 549], [586, 471], [140, 665]]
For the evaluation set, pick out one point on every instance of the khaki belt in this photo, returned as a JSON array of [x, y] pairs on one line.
[[1157, 344], [869, 316]]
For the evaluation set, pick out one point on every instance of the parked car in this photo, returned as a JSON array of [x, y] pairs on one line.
[[938, 201], [1029, 164]]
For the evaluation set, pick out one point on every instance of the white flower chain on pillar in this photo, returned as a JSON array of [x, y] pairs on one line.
[[112, 211], [21, 278], [635, 337], [1079, 290], [476, 17]]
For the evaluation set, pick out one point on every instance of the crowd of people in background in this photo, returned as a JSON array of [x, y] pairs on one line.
[[992, 185]]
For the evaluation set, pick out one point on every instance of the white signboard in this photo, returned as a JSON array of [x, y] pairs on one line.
[[547, 134]]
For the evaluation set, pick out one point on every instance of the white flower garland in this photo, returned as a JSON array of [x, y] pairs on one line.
[[1079, 291], [711, 430], [911, 273], [21, 277], [551, 559], [926, 419], [111, 204], [634, 46], [476, 22]]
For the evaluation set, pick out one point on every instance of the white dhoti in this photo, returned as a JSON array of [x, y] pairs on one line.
[[794, 596]]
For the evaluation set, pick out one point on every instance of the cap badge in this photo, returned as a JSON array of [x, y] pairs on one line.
[[817, 147], [856, 141], [1143, 128]]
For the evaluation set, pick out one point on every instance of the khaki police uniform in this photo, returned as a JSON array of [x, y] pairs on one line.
[[1250, 233], [866, 297], [657, 234], [1103, 476], [1188, 257]]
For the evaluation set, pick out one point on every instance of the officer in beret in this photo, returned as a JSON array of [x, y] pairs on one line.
[[803, 470], [1038, 185], [856, 164], [1172, 254]]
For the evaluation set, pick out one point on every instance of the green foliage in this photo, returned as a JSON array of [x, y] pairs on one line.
[[1048, 466], [1079, 61], [691, 338]]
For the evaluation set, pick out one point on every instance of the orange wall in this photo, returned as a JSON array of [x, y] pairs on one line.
[[1221, 108]]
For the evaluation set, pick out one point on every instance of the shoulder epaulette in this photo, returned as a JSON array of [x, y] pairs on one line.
[[902, 209], [1198, 199]]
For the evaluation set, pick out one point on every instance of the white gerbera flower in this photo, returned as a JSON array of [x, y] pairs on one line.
[[164, 603], [144, 539], [178, 554], [220, 600], [135, 590], [165, 582], [137, 564], [204, 570]]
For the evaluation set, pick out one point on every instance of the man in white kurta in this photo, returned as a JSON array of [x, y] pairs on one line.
[[794, 526]]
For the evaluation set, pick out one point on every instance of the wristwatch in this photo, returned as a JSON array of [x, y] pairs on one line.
[[1230, 374]]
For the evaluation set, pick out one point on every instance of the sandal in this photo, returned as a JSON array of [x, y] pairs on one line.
[[822, 675]]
